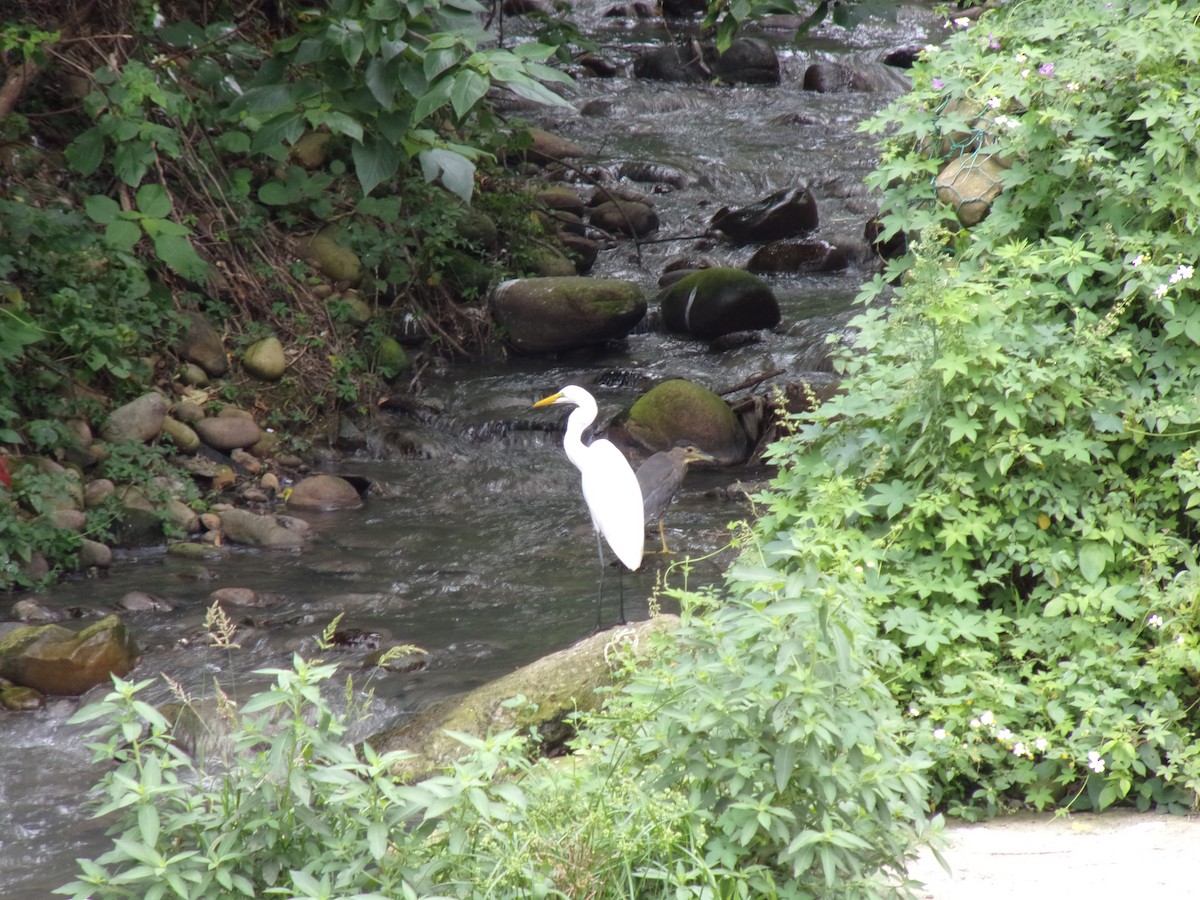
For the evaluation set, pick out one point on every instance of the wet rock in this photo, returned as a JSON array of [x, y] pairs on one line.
[[598, 66], [889, 248], [140, 601], [683, 9], [902, 57], [408, 662], [798, 257], [265, 359], [788, 213], [271, 532], [32, 612], [563, 199], [969, 184], [711, 302], [138, 420], [200, 343], [548, 148], [747, 61], [550, 263], [835, 78], [685, 63], [678, 413], [57, 661], [93, 555], [228, 432], [583, 249], [324, 493], [335, 261], [548, 315], [182, 516], [556, 686], [182, 435], [239, 596], [16, 698], [391, 358], [625, 217]]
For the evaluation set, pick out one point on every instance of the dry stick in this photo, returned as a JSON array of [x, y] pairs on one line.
[[752, 381]]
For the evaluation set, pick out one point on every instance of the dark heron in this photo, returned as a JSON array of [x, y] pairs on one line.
[[660, 477], [610, 489]]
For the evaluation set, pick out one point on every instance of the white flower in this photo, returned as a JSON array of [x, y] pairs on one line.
[[1160, 291], [913, 711], [1095, 762], [939, 734], [987, 718], [1003, 734], [931, 48], [1073, 85], [1183, 273], [1021, 57], [1138, 260], [975, 723], [994, 102], [962, 22], [1019, 749], [1041, 744], [1154, 621]]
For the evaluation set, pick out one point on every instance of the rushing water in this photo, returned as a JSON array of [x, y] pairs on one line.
[[476, 545]]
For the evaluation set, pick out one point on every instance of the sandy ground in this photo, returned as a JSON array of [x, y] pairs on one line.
[[1116, 854]]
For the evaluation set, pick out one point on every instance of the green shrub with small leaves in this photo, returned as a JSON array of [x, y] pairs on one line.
[[1012, 461]]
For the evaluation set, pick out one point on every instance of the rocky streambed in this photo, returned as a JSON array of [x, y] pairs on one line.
[[722, 233]]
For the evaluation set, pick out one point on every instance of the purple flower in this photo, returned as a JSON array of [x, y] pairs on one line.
[[938, 84], [993, 43], [1046, 69]]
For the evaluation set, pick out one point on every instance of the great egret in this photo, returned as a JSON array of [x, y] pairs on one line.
[[610, 488], [660, 477]]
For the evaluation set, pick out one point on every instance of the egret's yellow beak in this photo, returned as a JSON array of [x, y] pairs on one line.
[[546, 401]]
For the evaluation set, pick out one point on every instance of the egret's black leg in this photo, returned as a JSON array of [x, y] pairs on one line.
[[621, 595], [600, 589]]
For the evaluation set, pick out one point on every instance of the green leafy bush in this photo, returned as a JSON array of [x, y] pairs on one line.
[[1012, 459]]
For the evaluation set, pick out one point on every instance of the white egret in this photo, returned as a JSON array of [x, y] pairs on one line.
[[660, 477], [610, 488]]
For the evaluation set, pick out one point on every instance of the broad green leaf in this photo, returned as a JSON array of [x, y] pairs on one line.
[[438, 61], [86, 152], [101, 209], [381, 82], [375, 161], [1094, 556], [153, 200], [276, 193], [466, 89], [122, 234], [178, 253], [457, 173]]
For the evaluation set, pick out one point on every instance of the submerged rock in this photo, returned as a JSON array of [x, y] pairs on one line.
[[549, 315], [798, 257], [271, 532]]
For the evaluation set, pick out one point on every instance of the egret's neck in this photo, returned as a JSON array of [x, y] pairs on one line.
[[580, 418]]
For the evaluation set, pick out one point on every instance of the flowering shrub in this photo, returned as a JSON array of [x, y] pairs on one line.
[[1010, 476]]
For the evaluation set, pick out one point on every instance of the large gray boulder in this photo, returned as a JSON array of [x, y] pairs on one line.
[[138, 420], [549, 315], [713, 302]]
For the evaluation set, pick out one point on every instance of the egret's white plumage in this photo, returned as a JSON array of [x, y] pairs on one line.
[[610, 487]]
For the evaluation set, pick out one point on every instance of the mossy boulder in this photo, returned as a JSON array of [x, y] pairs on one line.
[[265, 359], [331, 257], [557, 686], [677, 413], [200, 343], [713, 302], [390, 358], [57, 661], [549, 315]]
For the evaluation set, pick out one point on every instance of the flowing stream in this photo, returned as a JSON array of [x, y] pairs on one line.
[[476, 546]]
